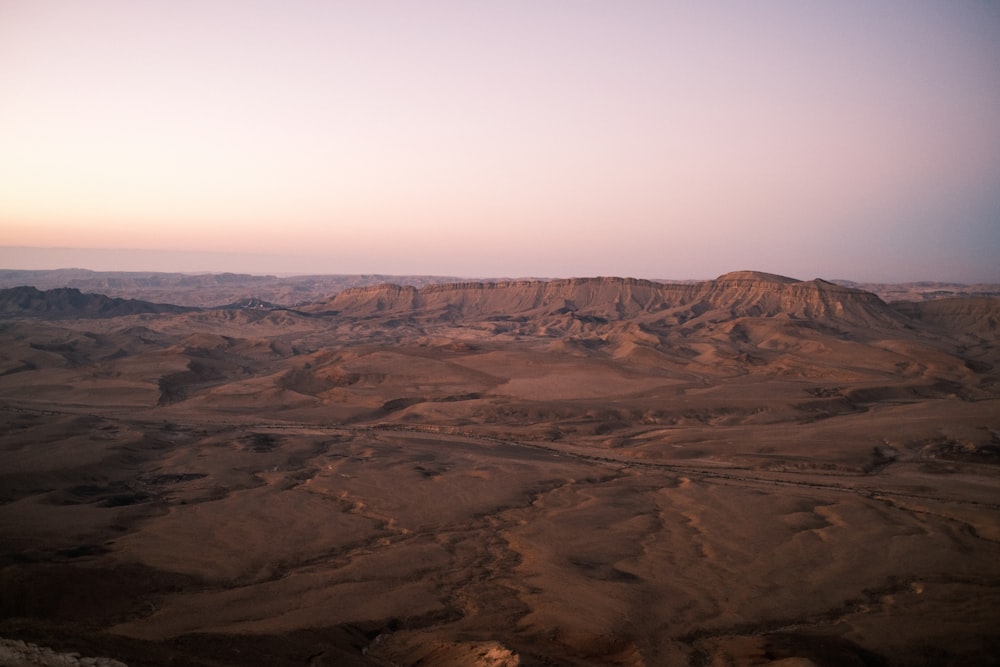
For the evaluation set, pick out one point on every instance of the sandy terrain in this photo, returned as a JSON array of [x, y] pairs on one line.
[[744, 472]]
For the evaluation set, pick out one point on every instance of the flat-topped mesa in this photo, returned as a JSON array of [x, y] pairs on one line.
[[738, 294], [757, 277], [755, 294]]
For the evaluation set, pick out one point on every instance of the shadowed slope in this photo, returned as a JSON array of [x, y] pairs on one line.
[[976, 316], [70, 302]]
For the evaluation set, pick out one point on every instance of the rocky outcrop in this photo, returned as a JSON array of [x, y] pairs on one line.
[[16, 653]]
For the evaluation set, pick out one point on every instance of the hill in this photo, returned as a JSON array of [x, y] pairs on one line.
[[962, 316], [70, 302], [603, 300]]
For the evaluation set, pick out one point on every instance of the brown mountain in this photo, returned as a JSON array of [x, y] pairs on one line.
[[603, 300]]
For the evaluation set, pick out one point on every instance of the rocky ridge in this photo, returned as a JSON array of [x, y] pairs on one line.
[[592, 301], [739, 294]]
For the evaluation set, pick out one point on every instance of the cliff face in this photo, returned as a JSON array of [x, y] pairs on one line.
[[581, 300], [741, 294]]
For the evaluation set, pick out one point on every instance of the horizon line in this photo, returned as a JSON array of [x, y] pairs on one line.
[[99, 264]]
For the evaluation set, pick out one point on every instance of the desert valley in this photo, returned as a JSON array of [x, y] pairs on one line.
[[594, 471]]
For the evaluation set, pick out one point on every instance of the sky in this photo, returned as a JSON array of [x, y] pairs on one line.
[[653, 139]]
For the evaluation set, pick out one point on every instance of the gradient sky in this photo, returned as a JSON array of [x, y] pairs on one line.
[[849, 139]]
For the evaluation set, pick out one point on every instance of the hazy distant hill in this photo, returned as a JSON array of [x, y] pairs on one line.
[[206, 289], [923, 290], [70, 302]]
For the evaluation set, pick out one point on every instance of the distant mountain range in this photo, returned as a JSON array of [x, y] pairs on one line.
[[614, 299], [568, 305], [216, 289], [203, 290]]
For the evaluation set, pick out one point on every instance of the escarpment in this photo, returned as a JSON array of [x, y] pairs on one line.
[[739, 294]]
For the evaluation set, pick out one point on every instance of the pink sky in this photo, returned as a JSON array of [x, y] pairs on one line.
[[548, 138]]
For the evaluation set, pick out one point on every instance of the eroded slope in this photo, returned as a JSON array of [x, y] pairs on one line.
[[582, 472]]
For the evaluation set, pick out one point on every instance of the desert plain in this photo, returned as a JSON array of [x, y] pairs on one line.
[[746, 471]]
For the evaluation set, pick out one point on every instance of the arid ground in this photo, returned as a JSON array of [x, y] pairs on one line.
[[752, 470]]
